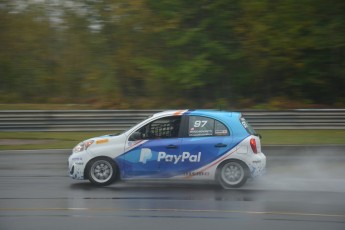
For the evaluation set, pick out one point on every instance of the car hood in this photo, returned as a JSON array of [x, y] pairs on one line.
[[107, 145]]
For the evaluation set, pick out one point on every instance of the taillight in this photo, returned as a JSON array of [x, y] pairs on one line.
[[253, 145]]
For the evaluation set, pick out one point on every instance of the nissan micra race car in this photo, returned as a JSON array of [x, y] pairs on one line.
[[174, 145]]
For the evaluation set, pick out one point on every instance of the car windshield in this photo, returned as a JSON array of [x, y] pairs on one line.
[[133, 125], [248, 127]]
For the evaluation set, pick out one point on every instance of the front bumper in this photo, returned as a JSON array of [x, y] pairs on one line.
[[76, 167]]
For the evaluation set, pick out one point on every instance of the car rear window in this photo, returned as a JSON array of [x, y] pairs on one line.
[[247, 126], [203, 126]]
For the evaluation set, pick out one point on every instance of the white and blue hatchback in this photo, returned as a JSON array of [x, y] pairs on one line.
[[174, 145]]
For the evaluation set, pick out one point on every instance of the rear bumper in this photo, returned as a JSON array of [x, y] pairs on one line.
[[257, 165]]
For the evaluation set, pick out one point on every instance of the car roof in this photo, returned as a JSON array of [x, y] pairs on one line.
[[199, 112], [231, 119]]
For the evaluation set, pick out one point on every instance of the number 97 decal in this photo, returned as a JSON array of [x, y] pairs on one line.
[[199, 123]]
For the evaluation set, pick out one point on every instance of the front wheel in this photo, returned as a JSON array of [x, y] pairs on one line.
[[101, 171], [232, 174]]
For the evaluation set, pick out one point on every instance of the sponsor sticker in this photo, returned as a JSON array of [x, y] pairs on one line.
[[197, 174], [102, 141], [77, 159], [221, 132]]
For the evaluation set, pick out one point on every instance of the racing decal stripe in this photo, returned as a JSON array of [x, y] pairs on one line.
[[166, 166], [180, 112], [140, 142]]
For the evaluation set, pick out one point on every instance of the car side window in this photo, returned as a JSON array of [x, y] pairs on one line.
[[167, 127], [203, 126], [220, 129]]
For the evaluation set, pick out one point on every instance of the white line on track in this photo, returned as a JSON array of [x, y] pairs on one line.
[[178, 210]]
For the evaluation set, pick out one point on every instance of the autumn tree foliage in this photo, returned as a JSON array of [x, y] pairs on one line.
[[161, 54]]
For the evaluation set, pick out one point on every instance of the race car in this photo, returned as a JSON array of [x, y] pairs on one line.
[[204, 145]]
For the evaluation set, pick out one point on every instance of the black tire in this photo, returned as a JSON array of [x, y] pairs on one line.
[[102, 171], [232, 174]]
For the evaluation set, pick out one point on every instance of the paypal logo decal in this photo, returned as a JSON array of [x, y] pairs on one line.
[[145, 154]]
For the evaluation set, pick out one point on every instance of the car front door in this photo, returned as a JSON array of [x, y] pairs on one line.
[[150, 146]]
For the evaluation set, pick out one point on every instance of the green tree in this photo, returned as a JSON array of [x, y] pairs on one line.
[[201, 57], [295, 48], [23, 55]]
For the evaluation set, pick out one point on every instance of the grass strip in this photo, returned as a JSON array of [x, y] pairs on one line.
[[303, 137]]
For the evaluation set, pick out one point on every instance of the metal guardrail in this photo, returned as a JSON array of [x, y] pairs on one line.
[[93, 120], [297, 119]]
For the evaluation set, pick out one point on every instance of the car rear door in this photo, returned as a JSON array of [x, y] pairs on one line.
[[205, 138]]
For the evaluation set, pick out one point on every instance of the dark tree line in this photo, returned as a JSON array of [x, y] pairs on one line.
[[173, 53]]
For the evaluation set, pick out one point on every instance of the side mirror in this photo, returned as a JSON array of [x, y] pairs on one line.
[[135, 136]]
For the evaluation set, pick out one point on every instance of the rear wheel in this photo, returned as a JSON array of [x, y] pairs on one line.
[[232, 174], [102, 171]]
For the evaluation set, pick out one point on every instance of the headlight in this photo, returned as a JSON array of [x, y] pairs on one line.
[[82, 146]]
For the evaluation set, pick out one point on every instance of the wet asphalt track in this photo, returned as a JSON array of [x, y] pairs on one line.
[[305, 190]]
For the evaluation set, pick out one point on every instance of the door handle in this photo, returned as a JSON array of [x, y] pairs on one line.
[[220, 145], [171, 146]]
